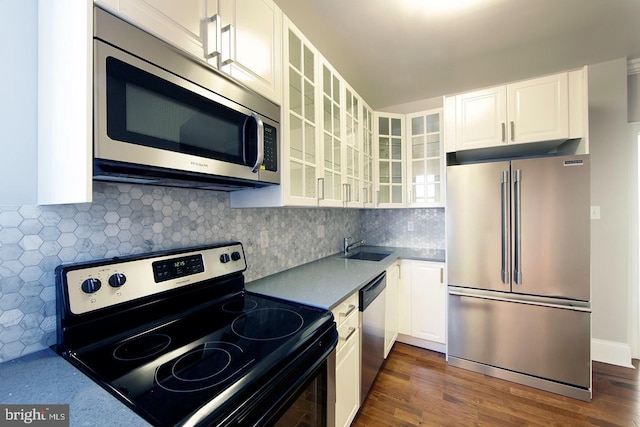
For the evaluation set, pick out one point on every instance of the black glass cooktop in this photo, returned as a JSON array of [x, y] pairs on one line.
[[204, 357]]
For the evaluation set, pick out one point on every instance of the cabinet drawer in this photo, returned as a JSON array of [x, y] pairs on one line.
[[347, 330], [345, 308]]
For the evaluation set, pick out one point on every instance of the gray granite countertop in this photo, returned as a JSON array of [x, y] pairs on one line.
[[46, 378], [328, 281]]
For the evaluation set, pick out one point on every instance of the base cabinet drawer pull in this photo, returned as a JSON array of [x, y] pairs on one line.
[[349, 310], [352, 330]]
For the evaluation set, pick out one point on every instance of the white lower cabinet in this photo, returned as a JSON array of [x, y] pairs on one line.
[[391, 309], [423, 298], [347, 361]]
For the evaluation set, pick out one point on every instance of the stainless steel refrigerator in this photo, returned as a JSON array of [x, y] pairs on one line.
[[518, 271]]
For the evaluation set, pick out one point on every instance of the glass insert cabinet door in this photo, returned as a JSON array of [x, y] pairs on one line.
[[425, 164], [353, 186], [303, 164], [390, 159], [330, 182], [367, 156]]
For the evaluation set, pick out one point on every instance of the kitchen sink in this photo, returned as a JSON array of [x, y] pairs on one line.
[[369, 256]]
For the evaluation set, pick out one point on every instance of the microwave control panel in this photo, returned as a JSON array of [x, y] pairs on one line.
[[270, 161]]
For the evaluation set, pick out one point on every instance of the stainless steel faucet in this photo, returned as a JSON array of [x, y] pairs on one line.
[[346, 246]]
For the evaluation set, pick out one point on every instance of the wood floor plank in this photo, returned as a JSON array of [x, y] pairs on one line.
[[416, 387]]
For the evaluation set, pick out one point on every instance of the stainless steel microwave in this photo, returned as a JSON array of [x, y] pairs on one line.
[[164, 118]]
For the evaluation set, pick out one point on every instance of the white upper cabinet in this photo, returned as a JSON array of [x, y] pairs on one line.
[[538, 109], [300, 114], [542, 110], [249, 40], [352, 177], [178, 23], [332, 192], [481, 118], [368, 188], [46, 102], [425, 159], [389, 160], [242, 38]]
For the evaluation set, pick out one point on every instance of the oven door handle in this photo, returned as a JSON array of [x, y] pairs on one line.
[[260, 143]]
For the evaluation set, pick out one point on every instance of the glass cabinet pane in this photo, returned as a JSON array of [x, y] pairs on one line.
[[326, 81], [296, 179], [396, 149], [310, 143], [383, 126], [417, 147], [294, 51], [309, 64], [383, 148], [396, 127], [433, 145], [295, 91], [309, 102], [417, 126], [295, 137], [433, 123]]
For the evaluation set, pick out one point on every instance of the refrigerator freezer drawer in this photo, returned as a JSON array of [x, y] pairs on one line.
[[545, 342]]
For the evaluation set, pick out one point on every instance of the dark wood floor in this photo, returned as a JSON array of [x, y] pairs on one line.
[[417, 388]]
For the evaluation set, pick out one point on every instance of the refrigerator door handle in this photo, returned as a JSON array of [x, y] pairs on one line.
[[504, 196], [517, 196]]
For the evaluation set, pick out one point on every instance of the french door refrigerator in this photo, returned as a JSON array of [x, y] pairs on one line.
[[518, 271]]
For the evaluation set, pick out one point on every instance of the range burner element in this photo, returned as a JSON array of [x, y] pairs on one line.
[[142, 347], [267, 324], [206, 366], [240, 306]]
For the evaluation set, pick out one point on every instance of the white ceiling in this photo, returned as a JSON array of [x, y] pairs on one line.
[[392, 54]]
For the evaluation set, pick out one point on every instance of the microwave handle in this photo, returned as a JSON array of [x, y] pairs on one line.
[[260, 156]]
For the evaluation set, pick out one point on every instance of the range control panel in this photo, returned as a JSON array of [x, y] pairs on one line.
[[112, 282]]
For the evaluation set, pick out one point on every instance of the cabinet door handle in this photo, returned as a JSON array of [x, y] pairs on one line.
[[228, 41], [349, 310], [504, 131], [441, 275], [352, 331], [213, 36], [513, 130]]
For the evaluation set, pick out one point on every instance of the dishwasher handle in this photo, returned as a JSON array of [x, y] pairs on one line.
[[372, 290]]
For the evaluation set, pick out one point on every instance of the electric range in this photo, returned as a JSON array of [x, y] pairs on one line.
[[176, 337]]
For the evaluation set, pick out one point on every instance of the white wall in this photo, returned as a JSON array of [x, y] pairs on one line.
[[610, 189]]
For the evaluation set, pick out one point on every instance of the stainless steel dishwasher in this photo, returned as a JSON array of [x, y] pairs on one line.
[[372, 307]]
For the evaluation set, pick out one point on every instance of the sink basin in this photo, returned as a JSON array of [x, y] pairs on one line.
[[369, 256]]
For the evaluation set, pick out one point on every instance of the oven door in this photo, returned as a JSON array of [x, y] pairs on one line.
[[302, 393], [145, 115]]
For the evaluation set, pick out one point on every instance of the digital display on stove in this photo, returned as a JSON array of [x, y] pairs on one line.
[[177, 267]]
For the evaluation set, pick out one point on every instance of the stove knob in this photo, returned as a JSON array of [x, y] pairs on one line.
[[116, 280], [224, 258], [91, 285], [235, 256]]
